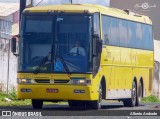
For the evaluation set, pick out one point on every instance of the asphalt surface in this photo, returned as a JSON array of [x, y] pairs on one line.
[[112, 109]]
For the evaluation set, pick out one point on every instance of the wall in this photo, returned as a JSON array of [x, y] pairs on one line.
[[156, 82], [8, 62], [8, 67]]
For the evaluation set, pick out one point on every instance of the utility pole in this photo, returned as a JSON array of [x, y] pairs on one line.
[[71, 1], [8, 71], [22, 7], [31, 2]]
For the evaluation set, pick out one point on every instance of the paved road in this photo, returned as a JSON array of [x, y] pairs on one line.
[[108, 109]]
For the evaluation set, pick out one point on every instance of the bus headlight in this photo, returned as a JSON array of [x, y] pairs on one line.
[[80, 81], [25, 81]]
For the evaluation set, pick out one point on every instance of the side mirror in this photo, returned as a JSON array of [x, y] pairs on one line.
[[97, 45], [95, 39], [14, 46]]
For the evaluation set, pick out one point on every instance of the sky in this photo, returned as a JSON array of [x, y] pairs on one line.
[[100, 2]]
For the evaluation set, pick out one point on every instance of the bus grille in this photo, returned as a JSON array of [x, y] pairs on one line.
[[42, 80], [48, 81], [61, 81]]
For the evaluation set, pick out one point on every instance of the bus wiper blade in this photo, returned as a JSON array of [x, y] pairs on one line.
[[44, 60], [64, 63]]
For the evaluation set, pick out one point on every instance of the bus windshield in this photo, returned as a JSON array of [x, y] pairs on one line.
[[66, 37]]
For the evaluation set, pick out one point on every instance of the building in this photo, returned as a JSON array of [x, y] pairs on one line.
[[9, 19]]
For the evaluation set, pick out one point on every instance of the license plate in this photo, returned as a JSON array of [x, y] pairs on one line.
[[50, 90]]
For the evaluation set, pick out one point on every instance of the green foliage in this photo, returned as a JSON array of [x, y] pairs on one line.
[[14, 101], [2, 96], [11, 95], [150, 98]]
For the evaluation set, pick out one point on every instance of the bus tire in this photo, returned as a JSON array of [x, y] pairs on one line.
[[76, 103], [97, 103], [37, 104], [72, 103], [139, 94], [131, 102]]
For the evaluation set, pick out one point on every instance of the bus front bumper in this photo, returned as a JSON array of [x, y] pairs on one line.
[[56, 92]]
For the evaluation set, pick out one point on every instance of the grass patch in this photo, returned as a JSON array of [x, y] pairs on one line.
[[150, 98], [13, 97], [15, 102]]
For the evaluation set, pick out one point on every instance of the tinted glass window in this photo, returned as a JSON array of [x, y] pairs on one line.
[[123, 33], [114, 32], [38, 24], [147, 36], [66, 44], [131, 34], [139, 37], [106, 29]]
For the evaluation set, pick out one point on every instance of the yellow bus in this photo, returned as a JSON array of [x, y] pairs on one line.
[[83, 54]]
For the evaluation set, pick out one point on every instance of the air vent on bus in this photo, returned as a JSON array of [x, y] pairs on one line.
[[61, 81], [131, 12], [55, 81], [42, 80]]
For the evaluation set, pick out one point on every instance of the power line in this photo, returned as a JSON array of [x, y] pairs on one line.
[[39, 3]]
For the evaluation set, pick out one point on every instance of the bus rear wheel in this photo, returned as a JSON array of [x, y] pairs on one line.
[[139, 94], [131, 102], [37, 104]]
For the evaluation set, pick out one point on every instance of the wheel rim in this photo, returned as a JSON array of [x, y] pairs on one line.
[[100, 96], [140, 93], [134, 93]]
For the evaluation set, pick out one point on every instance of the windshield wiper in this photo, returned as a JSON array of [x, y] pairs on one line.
[[63, 62], [45, 59], [43, 62]]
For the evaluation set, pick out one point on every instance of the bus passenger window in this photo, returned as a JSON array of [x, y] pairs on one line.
[[106, 29]]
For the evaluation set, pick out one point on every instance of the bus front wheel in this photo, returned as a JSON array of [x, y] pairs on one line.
[[37, 104], [73, 103], [97, 103], [76, 103]]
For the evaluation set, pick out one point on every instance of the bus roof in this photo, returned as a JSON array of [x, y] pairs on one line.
[[90, 8]]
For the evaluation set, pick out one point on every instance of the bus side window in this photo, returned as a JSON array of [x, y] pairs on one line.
[[147, 37], [115, 35], [106, 29]]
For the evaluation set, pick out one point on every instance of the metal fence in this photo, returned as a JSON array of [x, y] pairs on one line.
[[8, 67]]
